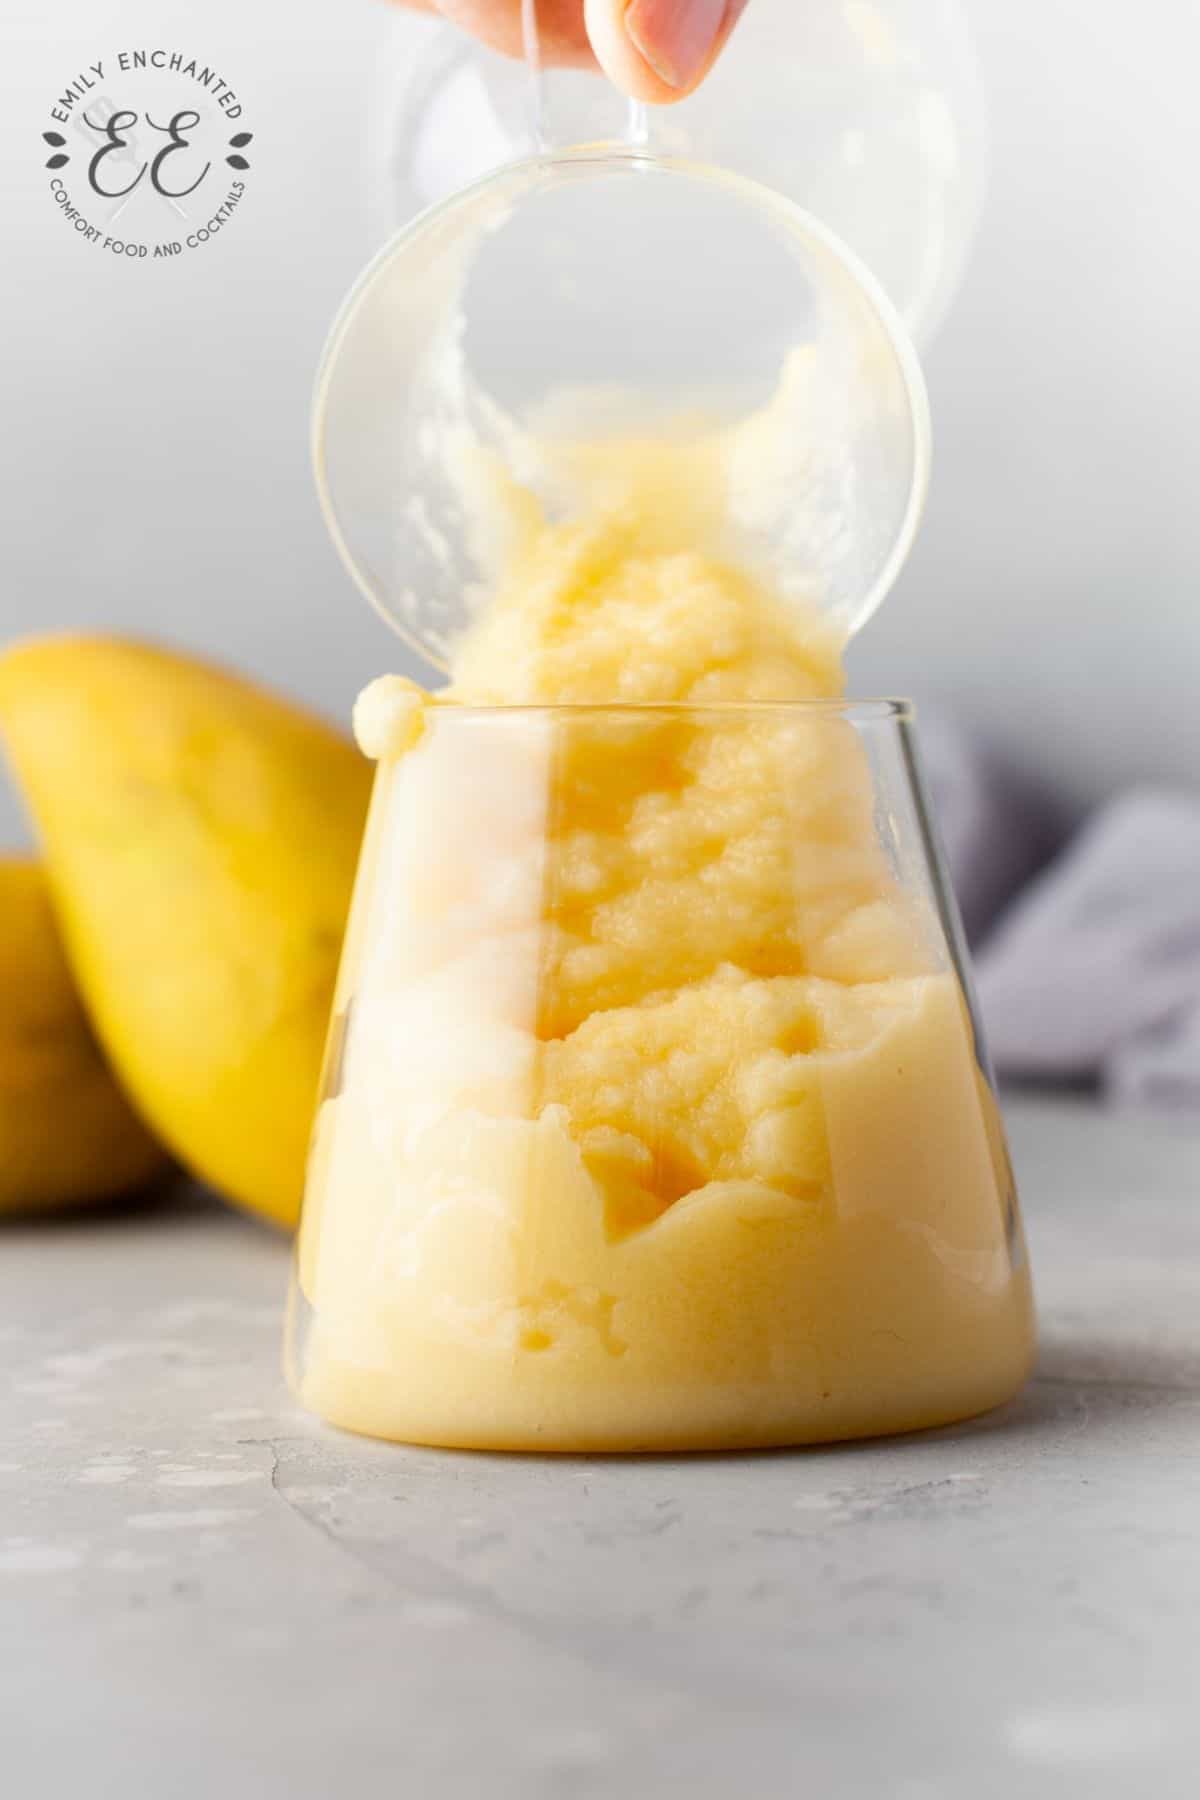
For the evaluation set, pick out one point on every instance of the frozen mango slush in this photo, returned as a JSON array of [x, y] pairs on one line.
[[653, 1117]]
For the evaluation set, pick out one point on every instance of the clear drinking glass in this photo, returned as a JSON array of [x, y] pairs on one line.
[[604, 293], [656, 1114]]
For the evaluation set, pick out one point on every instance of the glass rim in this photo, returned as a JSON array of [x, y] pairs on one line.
[[859, 712]]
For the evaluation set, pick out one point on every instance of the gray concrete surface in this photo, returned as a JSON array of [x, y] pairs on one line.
[[202, 1593]]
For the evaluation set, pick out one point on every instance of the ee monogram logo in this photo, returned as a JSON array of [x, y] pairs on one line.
[[145, 180]]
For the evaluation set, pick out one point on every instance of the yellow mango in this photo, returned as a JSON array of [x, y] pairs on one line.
[[67, 1132], [200, 837]]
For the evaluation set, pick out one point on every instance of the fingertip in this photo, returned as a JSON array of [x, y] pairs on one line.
[[617, 55], [659, 51]]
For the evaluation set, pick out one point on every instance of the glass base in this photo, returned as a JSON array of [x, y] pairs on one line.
[[884, 1387]]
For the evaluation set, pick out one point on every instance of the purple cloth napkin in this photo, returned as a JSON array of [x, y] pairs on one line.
[[1094, 970], [1088, 954]]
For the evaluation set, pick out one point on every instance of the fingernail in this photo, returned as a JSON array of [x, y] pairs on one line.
[[676, 37]]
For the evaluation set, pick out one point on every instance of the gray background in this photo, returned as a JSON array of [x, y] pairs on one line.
[[155, 468]]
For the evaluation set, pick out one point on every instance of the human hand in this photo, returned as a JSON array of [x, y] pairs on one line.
[[656, 50]]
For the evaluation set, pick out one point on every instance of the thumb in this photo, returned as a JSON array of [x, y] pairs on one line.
[[659, 50]]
